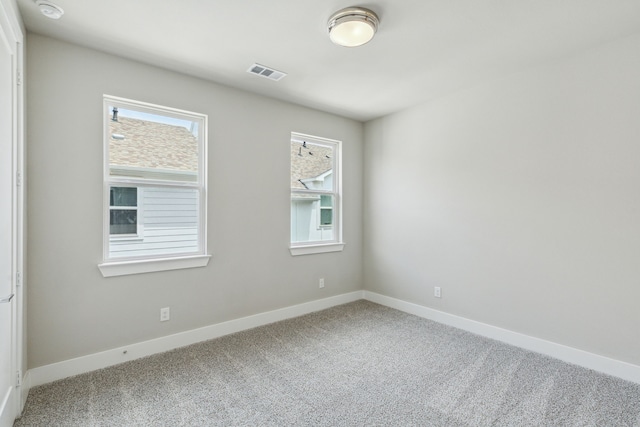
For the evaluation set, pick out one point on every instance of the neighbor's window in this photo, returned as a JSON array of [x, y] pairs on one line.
[[326, 211], [154, 186], [123, 211], [315, 195]]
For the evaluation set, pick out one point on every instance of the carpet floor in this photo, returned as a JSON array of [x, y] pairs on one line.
[[359, 364]]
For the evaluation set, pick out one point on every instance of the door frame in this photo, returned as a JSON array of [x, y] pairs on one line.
[[12, 31]]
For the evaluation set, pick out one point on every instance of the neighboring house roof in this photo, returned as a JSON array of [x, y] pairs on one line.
[[152, 145], [310, 162]]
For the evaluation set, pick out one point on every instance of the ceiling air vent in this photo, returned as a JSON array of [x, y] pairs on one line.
[[266, 72]]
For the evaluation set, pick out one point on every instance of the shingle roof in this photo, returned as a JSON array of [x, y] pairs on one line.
[[309, 162], [152, 145]]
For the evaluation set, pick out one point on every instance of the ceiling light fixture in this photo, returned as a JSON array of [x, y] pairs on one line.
[[50, 10], [352, 26]]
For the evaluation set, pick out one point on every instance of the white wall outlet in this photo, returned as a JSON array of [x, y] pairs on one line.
[[165, 314], [321, 283], [436, 292]]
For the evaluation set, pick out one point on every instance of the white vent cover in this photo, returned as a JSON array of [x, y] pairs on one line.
[[266, 72]]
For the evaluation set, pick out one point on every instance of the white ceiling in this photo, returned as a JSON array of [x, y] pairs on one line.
[[424, 49]]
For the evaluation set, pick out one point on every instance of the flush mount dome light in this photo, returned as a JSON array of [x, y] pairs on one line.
[[50, 10], [352, 26]]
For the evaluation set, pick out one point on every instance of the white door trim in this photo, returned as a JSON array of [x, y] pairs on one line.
[[12, 35]]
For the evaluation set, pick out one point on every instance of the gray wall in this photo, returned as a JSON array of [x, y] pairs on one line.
[[518, 197], [73, 310], [521, 199]]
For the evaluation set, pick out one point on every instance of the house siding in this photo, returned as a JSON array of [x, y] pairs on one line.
[[169, 225]]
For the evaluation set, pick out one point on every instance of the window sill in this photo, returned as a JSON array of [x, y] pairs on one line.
[[316, 249], [123, 268]]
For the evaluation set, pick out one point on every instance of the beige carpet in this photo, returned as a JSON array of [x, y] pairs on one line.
[[359, 364]]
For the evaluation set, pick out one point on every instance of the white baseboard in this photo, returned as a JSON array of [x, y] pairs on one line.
[[24, 390], [617, 368], [67, 368], [56, 371]]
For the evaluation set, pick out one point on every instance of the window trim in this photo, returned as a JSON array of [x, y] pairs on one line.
[[322, 246], [134, 265], [123, 268], [316, 248]]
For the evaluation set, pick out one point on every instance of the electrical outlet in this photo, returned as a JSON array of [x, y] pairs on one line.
[[436, 292], [321, 283], [165, 314]]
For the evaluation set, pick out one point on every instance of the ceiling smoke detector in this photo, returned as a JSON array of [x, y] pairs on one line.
[[352, 26], [50, 10]]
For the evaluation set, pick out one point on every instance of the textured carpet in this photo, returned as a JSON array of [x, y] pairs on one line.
[[359, 364]]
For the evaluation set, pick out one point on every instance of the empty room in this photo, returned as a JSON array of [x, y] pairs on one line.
[[320, 213]]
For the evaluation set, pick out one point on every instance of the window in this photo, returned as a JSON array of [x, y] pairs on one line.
[[123, 211], [326, 211], [315, 195], [154, 188]]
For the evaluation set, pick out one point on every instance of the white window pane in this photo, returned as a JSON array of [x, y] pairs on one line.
[[311, 166], [307, 219], [315, 184], [152, 146], [154, 167], [168, 220]]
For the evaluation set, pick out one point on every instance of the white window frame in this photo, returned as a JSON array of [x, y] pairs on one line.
[[323, 246], [135, 265]]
